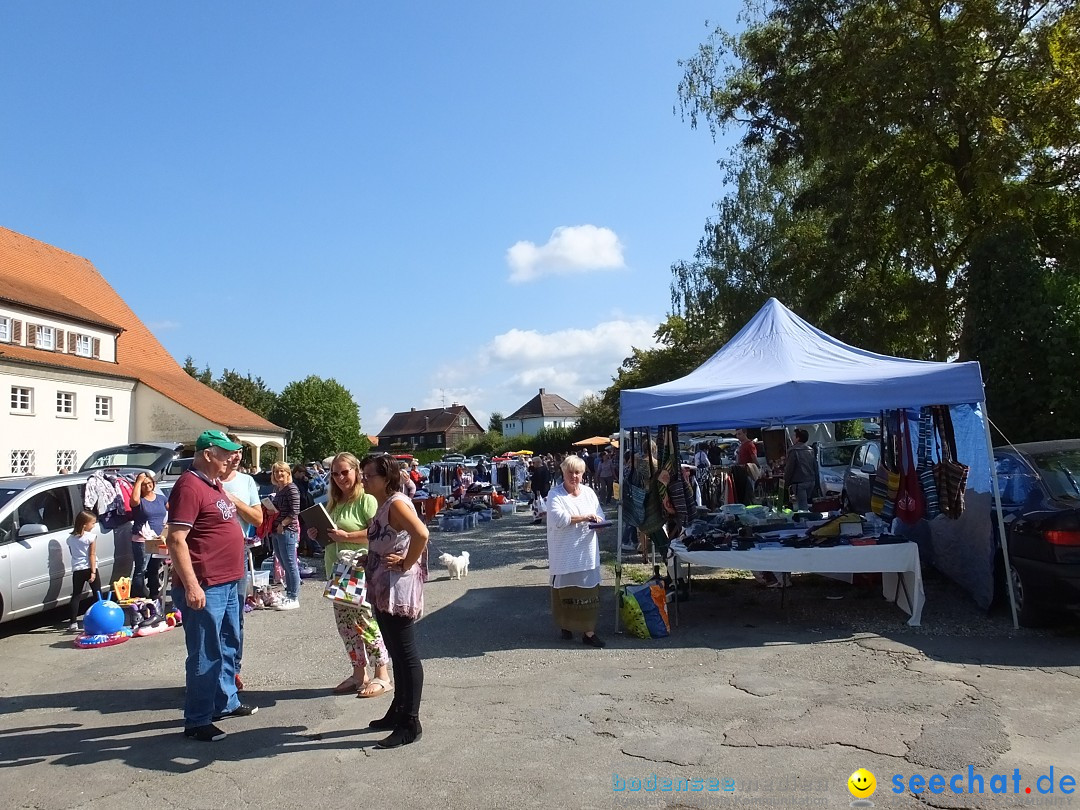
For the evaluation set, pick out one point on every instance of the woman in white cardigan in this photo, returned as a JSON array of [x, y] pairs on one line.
[[574, 554]]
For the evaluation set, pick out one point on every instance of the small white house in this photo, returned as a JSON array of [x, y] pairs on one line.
[[79, 371], [542, 411]]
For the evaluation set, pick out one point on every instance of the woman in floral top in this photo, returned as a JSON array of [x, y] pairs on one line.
[[396, 571]]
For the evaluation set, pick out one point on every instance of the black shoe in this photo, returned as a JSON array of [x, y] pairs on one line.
[[207, 733], [592, 641], [565, 635], [388, 720], [243, 710], [408, 732]]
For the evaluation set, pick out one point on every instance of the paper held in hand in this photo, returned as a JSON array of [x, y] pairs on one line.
[[268, 505], [316, 517]]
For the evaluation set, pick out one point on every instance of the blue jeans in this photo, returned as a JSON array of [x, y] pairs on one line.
[[212, 635], [285, 551], [138, 576]]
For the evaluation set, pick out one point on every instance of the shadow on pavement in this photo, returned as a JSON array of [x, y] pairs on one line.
[[159, 745]]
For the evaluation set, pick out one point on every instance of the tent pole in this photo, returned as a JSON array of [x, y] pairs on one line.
[[619, 530], [1000, 516]]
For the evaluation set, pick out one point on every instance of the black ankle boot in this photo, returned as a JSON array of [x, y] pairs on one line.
[[408, 731], [389, 720]]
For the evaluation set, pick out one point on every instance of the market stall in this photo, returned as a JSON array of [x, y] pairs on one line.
[[779, 370]]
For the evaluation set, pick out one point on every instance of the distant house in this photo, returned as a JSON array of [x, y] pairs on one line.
[[435, 428], [542, 411], [79, 371]]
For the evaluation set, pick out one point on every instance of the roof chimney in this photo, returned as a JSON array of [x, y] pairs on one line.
[[542, 391], [412, 410], [454, 405]]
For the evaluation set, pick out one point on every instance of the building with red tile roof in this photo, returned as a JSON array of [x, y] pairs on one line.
[[83, 372]]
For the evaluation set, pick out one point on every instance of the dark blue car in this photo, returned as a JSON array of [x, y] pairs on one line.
[[1040, 497]]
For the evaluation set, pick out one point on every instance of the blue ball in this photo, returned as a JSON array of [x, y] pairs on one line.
[[103, 619]]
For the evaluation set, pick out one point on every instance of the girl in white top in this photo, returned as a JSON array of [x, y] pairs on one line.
[[82, 546]]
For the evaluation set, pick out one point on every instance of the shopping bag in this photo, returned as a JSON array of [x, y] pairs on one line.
[[926, 466], [949, 474], [910, 503], [346, 584], [643, 610], [886, 481]]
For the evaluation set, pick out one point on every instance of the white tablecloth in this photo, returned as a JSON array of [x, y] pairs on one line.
[[893, 561]]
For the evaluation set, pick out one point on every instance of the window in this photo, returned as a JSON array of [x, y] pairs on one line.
[[46, 338], [464, 421], [22, 399], [5, 329], [65, 461], [65, 403], [84, 346], [22, 462], [102, 407], [51, 508]]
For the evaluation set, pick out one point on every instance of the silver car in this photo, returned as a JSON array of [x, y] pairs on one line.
[[36, 517]]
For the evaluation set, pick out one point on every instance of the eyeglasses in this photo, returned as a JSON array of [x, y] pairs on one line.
[[368, 477], [341, 473]]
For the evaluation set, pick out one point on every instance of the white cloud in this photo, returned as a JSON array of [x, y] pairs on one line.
[[571, 248], [510, 368]]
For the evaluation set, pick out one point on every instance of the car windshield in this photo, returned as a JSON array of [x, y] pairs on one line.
[[1060, 471], [837, 455], [7, 493], [135, 457]]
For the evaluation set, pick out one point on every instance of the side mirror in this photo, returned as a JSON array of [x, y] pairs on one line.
[[32, 529], [869, 469]]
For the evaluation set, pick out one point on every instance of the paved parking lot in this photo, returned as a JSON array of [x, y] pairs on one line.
[[746, 704]]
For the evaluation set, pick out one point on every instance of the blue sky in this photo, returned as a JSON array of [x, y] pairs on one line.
[[430, 202]]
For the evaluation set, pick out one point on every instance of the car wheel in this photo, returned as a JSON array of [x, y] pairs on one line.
[[1027, 612], [845, 503]]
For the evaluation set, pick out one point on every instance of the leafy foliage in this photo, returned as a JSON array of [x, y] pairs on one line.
[[323, 416], [251, 392], [495, 422]]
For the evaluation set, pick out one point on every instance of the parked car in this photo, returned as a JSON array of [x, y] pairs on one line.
[[455, 458], [1040, 498], [859, 478], [164, 458], [36, 516], [833, 460]]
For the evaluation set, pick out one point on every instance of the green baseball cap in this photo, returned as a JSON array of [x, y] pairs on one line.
[[215, 438]]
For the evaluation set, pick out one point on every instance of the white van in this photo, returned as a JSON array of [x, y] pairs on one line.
[[36, 517]]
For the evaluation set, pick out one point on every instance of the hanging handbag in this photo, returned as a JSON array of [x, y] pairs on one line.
[[346, 584], [635, 494], [910, 504], [886, 480], [926, 466], [654, 500], [950, 475], [677, 501]]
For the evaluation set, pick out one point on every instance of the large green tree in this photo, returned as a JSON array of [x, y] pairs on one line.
[[323, 417], [912, 127], [251, 392]]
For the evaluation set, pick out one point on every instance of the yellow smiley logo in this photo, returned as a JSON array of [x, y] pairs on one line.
[[862, 784]]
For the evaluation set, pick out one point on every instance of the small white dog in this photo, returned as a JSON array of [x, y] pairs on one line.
[[458, 567]]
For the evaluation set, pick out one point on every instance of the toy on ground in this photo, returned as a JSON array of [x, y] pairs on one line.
[[122, 588], [174, 618], [87, 641], [104, 618]]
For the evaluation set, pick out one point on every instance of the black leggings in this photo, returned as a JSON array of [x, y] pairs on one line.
[[400, 637], [78, 579]]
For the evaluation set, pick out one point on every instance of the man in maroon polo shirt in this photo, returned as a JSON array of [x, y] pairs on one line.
[[206, 545]]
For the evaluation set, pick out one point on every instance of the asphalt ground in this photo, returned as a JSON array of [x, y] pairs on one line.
[[747, 703]]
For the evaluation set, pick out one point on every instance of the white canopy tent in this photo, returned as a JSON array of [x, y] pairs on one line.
[[780, 370]]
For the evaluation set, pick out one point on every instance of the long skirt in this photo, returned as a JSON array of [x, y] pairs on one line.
[[576, 609]]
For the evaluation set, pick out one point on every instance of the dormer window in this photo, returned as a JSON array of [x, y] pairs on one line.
[[46, 338], [5, 329], [84, 346]]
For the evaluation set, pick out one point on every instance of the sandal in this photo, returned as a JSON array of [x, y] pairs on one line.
[[382, 684], [348, 685]]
